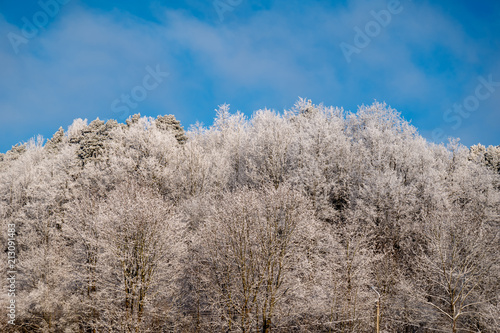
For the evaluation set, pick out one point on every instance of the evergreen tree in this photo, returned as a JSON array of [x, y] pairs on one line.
[[168, 123]]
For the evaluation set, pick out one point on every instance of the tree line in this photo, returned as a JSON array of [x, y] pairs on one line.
[[278, 222]]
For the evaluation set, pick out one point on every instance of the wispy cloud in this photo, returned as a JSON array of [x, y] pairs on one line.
[[258, 56]]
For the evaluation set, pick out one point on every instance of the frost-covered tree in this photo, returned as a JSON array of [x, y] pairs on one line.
[[170, 124], [281, 222], [249, 247], [270, 148], [92, 140], [489, 156], [140, 238], [57, 140], [456, 272]]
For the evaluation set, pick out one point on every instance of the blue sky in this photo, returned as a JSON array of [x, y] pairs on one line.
[[437, 62]]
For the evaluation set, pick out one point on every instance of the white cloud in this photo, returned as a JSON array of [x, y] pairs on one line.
[[87, 58]]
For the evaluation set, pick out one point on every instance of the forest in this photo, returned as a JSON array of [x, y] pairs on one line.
[[306, 220]]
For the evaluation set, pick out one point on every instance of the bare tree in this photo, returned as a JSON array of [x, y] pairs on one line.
[[140, 235], [455, 271], [249, 245]]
